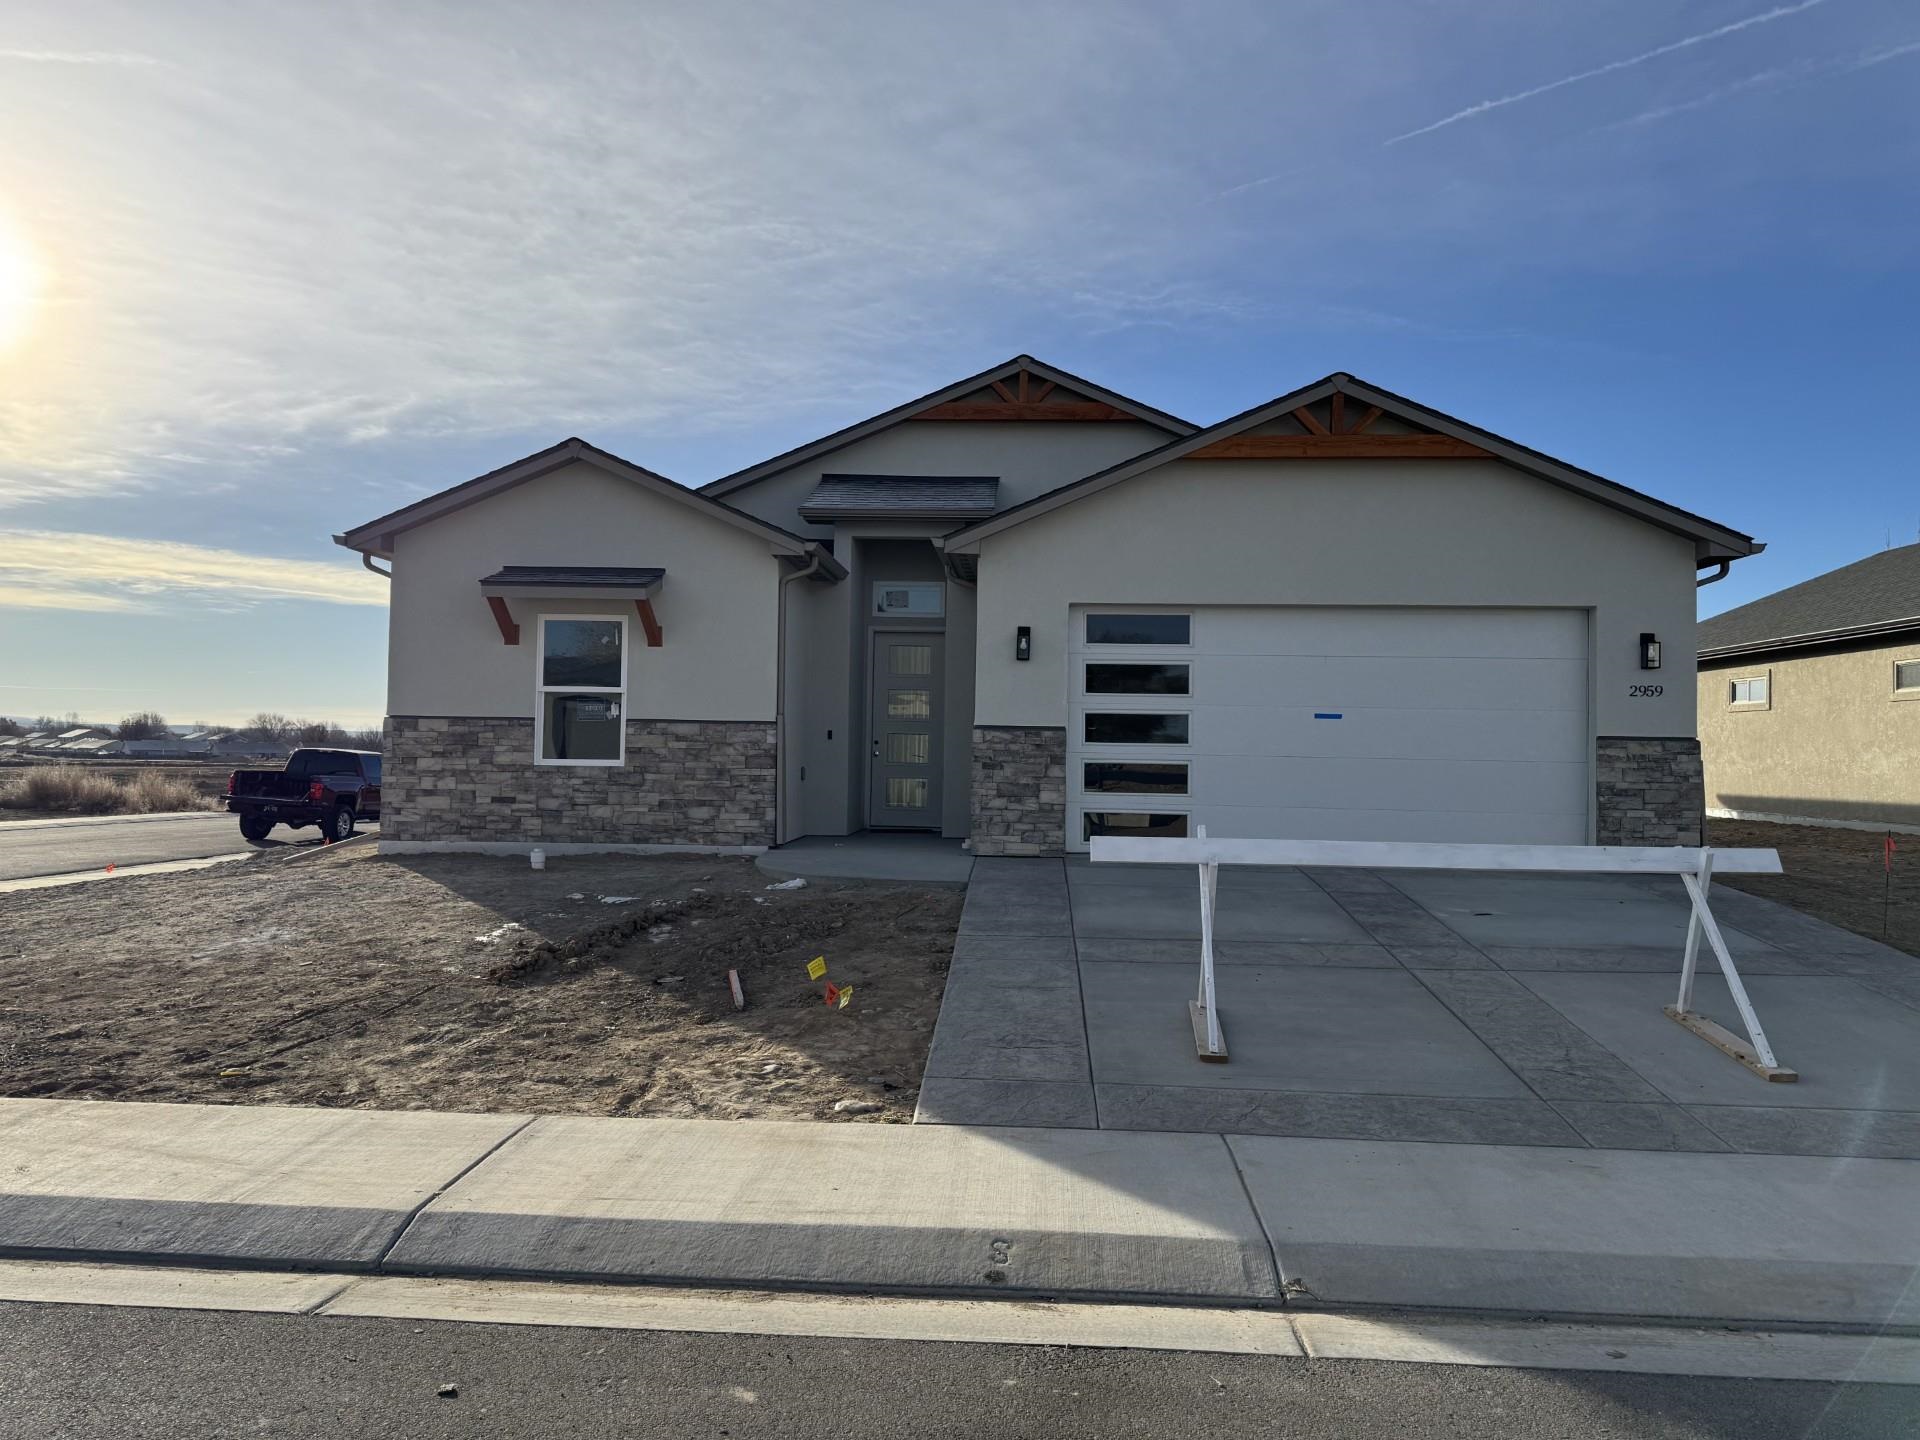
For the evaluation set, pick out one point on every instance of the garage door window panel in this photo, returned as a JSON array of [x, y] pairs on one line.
[[1137, 824], [1133, 777], [1129, 678], [1139, 629], [1103, 728]]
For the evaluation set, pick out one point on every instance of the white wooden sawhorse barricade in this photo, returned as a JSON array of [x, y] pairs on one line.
[[1695, 867]]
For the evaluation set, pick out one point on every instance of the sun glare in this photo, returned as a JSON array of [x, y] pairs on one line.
[[19, 286]]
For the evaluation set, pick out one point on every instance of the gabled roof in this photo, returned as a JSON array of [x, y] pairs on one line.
[[1444, 435], [930, 497], [376, 536], [948, 394], [1879, 595]]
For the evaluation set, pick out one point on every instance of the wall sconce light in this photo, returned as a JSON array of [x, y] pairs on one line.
[[1023, 643], [1649, 651]]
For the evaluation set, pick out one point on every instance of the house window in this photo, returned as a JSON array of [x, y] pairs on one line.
[[580, 699], [1906, 679], [1754, 690], [920, 601], [1139, 629]]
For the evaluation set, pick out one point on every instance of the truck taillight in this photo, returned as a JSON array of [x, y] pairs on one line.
[[232, 775], [316, 792]]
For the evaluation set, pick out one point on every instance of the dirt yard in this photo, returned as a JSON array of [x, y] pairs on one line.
[[596, 987], [1838, 875]]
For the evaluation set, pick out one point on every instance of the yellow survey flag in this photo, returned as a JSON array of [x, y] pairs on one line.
[[846, 996], [816, 967]]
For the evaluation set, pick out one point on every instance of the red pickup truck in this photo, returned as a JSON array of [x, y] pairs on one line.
[[329, 788]]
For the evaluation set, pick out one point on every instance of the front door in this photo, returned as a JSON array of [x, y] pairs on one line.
[[903, 786]]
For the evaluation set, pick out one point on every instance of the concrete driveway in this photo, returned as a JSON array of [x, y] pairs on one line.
[[1437, 1006]]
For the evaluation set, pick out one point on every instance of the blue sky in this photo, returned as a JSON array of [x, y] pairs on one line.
[[269, 271]]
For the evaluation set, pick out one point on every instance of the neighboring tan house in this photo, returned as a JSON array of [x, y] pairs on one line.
[[1027, 610], [1807, 699]]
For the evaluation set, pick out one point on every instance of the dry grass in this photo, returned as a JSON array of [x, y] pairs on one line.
[[75, 790]]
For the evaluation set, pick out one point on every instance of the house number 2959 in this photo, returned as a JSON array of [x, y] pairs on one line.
[[1645, 692]]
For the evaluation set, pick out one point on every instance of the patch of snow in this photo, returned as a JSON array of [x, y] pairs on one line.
[[495, 936], [618, 899], [575, 895], [797, 883]]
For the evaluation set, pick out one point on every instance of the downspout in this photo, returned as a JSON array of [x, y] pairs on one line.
[[367, 560], [780, 756], [1720, 573]]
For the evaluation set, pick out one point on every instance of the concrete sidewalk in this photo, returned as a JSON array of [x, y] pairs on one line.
[[966, 1211]]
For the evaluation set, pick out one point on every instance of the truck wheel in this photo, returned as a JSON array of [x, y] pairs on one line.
[[253, 828], [339, 825]]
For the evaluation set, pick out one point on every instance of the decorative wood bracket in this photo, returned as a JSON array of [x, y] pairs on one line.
[[503, 617], [1024, 399], [649, 623]]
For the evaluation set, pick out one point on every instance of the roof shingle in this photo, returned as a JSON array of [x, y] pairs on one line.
[[958, 497], [1879, 593]]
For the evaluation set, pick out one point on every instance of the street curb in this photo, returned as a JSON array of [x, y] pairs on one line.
[[1518, 1233]]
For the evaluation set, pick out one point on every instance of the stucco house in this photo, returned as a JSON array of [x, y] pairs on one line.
[[1026, 610], [1807, 699]]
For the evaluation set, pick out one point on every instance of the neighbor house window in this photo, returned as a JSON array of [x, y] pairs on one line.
[[1139, 629], [580, 703], [1906, 679], [1749, 690]]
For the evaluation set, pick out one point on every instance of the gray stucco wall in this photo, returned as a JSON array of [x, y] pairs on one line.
[[1030, 457], [1835, 740], [717, 606], [1351, 532]]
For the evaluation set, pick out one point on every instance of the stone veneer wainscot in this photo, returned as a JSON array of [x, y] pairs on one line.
[[684, 782], [1648, 790], [1019, 789]]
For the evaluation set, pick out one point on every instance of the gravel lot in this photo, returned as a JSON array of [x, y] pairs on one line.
[[596, 987]]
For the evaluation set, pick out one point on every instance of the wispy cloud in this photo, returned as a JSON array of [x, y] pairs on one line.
[[78, 57], [60, 570], [1777, 78], [1611, 67], [341, 229]]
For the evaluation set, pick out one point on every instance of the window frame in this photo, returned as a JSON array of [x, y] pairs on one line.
[[541, 689], [1905, 692], [1763, 677]]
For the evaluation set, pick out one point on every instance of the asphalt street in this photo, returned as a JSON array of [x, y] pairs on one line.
[[64, 847], [112, 1372]]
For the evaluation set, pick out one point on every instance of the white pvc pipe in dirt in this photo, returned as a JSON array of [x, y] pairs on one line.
[[539, 859]]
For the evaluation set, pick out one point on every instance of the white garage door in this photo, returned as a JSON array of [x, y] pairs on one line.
[[1301, 722]]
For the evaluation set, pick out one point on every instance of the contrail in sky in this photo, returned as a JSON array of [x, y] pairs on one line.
[[1485, 105]]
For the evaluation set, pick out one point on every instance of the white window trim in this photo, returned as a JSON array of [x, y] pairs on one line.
[[541, 690], [1765, 676]]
